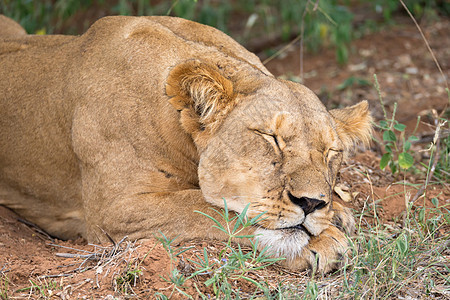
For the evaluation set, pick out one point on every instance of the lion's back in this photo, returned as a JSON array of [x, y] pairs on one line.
[[209, 36], [10, 28]]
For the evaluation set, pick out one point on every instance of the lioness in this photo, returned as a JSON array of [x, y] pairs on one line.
[[133, 126]]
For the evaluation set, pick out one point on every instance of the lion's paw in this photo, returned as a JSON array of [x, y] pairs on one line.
[[343, 218], [323, 253], [329, 250], [326, 252]]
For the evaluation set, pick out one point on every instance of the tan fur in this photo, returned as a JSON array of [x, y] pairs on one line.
[[141, 121], [10, 28], [351, 130]]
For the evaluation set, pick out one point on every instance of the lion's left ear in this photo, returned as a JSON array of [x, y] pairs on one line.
[[353, 124], [201, 93]]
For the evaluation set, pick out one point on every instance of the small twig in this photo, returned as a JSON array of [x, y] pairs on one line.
[[56, 276], [108, 236], [267, 60], [428, 137], [99, 247], [71, 255], [3, 270], [122, 240], [81, 284], [66, 266], [87, 259], [70, 248], [436, 140]]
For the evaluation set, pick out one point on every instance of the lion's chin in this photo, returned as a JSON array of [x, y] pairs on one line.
[[285, 242]]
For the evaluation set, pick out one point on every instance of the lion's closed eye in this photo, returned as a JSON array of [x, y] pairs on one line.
[[276, 141]]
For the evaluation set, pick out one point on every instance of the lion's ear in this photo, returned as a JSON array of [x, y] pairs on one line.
[[353, 124], [201, 93]]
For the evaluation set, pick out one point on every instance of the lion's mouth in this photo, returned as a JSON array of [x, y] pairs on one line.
[[300, 227]]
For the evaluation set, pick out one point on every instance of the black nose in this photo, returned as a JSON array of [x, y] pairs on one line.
[[307, 204]]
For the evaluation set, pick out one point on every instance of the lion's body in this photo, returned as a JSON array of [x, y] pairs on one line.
[[39, 92], [96, 131]]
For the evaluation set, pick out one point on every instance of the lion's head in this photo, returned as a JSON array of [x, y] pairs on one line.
[[267, 142]]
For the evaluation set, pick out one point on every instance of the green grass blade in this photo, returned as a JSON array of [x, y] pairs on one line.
[[219, 226]]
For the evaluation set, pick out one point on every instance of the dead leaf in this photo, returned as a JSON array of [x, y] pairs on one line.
[[344, 194]]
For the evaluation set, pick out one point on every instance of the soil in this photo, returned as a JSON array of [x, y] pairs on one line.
[[33, 265]]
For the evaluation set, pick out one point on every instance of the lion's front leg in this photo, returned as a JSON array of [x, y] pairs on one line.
[[141, 215]]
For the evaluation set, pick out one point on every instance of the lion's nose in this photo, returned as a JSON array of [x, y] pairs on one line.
[[307, 204]]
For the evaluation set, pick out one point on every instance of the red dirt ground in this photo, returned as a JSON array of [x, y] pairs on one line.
[[31, 268]]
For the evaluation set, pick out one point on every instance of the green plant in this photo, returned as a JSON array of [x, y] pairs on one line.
[[128, 279], [176, 278], [312, 290], [327, 22], [130, 275], [42, 16], [430, 219], [388, 260], [317, 23], [4, 284], [45, 289], [184, 8], [232, 264], [240, 222], [167, 244], [353, 81], [398, 147]]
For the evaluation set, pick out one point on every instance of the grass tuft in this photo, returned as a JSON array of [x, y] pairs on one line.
[[4, 284]]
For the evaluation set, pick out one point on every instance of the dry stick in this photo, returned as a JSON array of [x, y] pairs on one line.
[[3, 270], [36, 228], [104, 258], [70, 248], [107, 235], [71, 255], [56, 276], [281, 50], [426, 42]]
